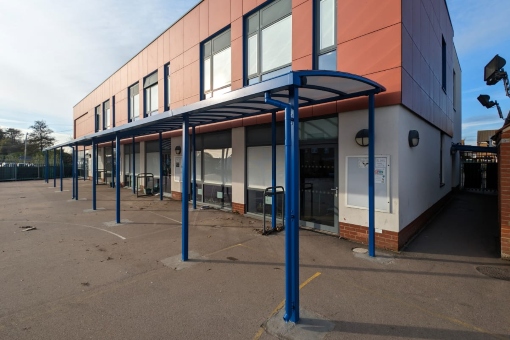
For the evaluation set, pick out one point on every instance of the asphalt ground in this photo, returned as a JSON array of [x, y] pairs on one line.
[[79, 275]]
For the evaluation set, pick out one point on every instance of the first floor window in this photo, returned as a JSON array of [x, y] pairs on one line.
[[150, 86], [216, 65], [269, 41], [134, 103], [168, 98], [325, 41], [97, 121], [106, 115]]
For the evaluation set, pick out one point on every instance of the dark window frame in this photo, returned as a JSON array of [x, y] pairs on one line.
[[443, 64], [106, 105], [132, 94], [317, 51], [97, 118], [257, 77], [168, 99], [207, 51], [149, 82]]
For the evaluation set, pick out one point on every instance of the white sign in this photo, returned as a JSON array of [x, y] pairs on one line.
[[380, 162], [362, 163], [177, 169]]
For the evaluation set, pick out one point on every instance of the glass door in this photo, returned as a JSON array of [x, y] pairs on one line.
[[319, 187]]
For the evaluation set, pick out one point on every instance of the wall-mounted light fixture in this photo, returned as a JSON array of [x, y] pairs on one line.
[[178, 150], [362, 137], [414, 138]]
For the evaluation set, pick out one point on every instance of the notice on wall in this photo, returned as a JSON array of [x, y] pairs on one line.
[[177, 169], [357, 182]]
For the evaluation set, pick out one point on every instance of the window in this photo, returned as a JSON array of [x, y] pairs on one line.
[[150, 85], [134, 103], [216, 65], [443, 82], [167, 84], [97, 123], [454, 90], [325, 42], [441, 163], [106, 115], [269, 41], [214, 168]]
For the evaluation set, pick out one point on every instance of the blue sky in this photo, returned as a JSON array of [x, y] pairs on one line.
[[55, 52], [481, 30]]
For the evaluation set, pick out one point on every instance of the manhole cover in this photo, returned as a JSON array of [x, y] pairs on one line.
[[360, 250], [495, 272]]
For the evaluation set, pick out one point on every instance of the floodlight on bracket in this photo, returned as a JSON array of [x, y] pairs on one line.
[[494, 72], [486, 101]]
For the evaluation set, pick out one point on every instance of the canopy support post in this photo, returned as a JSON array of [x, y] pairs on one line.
[[54, 168], [75, 150], [194, 158], [371, 176], [273, 170], [94, 173], [185, 185], [117, 177], [160, 166], [291, 203], [61, 171], [133, 175]]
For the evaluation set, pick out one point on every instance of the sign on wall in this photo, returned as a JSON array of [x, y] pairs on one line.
[[177, 168], [357, 182]]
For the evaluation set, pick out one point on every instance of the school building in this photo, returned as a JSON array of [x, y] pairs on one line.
[[221, 46]]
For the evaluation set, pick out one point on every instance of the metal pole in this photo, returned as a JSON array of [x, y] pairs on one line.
[[54, 168], [25, 157], [61, 170], [194, 158], [273, 171], [371, 176], [160, 166], [72, 171], [76, 171], [46, 166], [94, 174], [84, 162], [117, 177], [185, 185], [133, 176], [288, 222], [294, 213], [113, 169]]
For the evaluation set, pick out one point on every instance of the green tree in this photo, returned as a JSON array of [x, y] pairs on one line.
[[11, 143], [41, 135]]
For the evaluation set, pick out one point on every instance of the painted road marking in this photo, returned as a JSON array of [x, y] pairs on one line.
[[281, 304]]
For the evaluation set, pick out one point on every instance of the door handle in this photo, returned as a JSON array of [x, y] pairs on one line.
[[336, 191]]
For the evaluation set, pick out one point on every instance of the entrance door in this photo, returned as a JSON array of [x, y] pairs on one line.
[[167, 187], [319, 187]]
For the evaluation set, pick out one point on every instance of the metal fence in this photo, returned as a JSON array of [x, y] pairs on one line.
[[479, 171], [20, 172]]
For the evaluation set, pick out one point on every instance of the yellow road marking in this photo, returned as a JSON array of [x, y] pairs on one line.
[[280, 305]]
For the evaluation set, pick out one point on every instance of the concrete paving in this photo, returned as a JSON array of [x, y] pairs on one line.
[[79, 276]]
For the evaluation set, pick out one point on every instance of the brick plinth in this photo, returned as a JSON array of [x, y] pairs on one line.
[[238, 208], [392, 240], [176, 195], [504, 192], [384, 240]]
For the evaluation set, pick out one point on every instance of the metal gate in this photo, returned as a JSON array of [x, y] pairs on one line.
[[479, 168]]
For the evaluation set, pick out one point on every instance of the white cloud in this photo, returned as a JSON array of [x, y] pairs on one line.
[[55, 52]]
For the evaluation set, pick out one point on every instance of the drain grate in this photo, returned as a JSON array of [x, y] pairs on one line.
[[495, 272]]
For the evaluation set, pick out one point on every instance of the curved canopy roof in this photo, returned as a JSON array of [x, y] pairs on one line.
[[315, 87]]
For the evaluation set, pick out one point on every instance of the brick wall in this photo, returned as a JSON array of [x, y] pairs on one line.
[[238, 208], [384, 240], [504, 193], [390, 239], [176, 195]]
